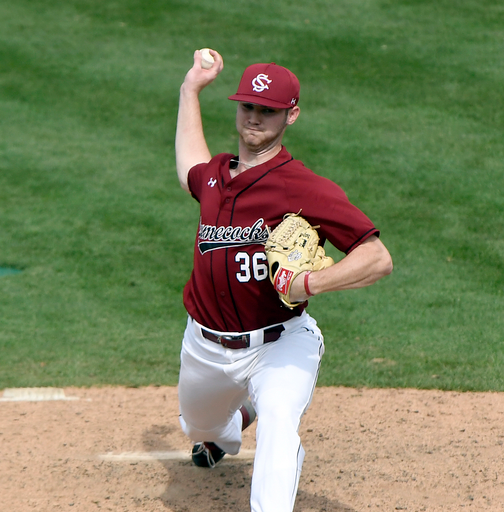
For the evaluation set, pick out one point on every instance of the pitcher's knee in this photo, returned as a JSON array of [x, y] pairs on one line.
[[282, 414]]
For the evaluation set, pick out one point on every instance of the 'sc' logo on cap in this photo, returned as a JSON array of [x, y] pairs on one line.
[[259, 82]]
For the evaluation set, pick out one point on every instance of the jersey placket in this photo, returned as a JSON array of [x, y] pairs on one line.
[[220, 263]]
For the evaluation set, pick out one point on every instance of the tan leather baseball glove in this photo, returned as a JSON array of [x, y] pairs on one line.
[[292, 248]]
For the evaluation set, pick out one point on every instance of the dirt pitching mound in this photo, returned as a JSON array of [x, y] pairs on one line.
[[121, 449]]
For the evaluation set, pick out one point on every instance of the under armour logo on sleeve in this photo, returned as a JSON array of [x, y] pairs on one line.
[[212, 182]]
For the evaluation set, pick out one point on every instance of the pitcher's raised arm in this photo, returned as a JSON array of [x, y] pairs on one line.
[[190, 144]]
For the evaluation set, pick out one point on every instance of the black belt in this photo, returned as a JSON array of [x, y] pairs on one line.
[[243, 340]]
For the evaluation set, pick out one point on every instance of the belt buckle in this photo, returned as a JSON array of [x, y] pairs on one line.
[[233, 341]]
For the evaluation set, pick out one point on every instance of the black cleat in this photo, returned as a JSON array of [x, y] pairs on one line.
[[206, 455]]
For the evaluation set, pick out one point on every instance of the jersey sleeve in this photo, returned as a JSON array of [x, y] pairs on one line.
[[325, 204], [194, 180], [200, 174]]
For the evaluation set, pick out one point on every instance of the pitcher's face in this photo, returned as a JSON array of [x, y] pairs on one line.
[[261, 128]]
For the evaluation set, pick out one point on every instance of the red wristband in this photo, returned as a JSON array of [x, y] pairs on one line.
[[306, 287]]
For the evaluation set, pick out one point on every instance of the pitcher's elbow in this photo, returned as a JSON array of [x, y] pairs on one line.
[[387, 265]]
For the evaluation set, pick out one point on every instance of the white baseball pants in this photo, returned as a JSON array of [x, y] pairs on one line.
[[279, 377]]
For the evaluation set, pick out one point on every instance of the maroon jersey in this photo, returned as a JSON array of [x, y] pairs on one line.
[[229, 289]]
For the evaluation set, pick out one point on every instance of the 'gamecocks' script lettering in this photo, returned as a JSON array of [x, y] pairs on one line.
[[219, 237]]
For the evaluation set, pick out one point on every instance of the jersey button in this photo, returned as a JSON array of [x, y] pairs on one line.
[[229, 189], [222, 294], [227, 200]]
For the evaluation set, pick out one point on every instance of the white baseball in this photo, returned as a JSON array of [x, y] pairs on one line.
[[206, 59]]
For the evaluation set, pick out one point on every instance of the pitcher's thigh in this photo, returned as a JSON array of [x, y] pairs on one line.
[[208, 396], [286, 374]]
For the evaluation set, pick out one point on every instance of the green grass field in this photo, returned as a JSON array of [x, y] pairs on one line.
[[401, 105]]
